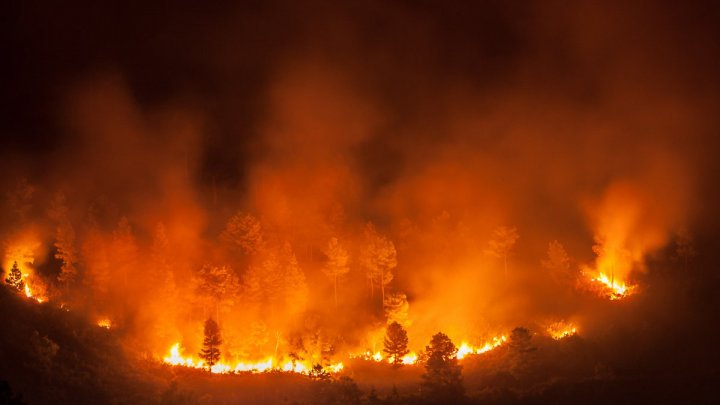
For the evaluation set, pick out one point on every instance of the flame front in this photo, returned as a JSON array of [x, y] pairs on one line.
[[176, 359], [465, 348], [618, 288], [560, 330], [104, 323]]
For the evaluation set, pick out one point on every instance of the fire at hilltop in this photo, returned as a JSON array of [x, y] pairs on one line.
[[276, 271], [262, 297]]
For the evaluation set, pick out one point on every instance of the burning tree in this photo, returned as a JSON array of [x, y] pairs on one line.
[[244, 231], [396, 342], [442, 381], [337, 262], [378, 258], [14, 278], [210, 352], [216, 284], [504, 239]]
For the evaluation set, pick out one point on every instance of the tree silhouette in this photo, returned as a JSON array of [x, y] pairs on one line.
[[504, 239], [66, 252], [396, 342], [520, 340], [337, 263], [277, 283], [522, 357], [217, 284], [318, 373], [378, 257], [14, 278], [442, 381], [210, 352]]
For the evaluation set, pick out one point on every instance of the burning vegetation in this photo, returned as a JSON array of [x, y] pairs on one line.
[[460, 203]]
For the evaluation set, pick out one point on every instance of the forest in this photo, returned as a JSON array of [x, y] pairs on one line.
[[359, 202]]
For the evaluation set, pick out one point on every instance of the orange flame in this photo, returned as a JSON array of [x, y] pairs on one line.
[[176, 359], [465, 348], [560, 330], [104, 323]]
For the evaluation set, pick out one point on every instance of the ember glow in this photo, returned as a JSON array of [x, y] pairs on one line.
[[561, 330], [175, 358], [104, 323], [466, 349], [617, 289], [490, 187]]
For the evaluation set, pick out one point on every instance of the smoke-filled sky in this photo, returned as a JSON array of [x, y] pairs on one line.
[[574, 121]]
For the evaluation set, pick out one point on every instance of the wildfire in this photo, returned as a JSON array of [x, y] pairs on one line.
[[616, 289], [267, 365], [560, 330], [104, 323], [410, 358], [29, 293], [465, 348]]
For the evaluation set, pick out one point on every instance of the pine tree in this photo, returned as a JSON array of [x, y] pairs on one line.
[[396, 342], [379, 258], [337, 263], [504, 239], [442, 381], [210, 352], [245, 232], [66, 252], [520, 340], [277, 283], [218, 285], [14, 278], [521, 350]]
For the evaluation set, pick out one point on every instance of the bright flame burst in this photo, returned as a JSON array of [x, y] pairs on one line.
[[411, 358], [465, 348], [616, 289], [560, 330], [104, 323], [176, 359], [29, 292]]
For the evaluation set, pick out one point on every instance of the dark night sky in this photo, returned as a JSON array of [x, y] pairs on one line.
[[220, 59]]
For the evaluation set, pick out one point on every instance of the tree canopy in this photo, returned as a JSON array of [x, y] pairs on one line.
[[14, 278], [396, 341], [442, 381], [210, 352]]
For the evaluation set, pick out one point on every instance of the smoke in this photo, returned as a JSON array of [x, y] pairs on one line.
[[433, 126]]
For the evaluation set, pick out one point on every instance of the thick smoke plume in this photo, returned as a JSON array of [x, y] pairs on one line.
[[355, 122]]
